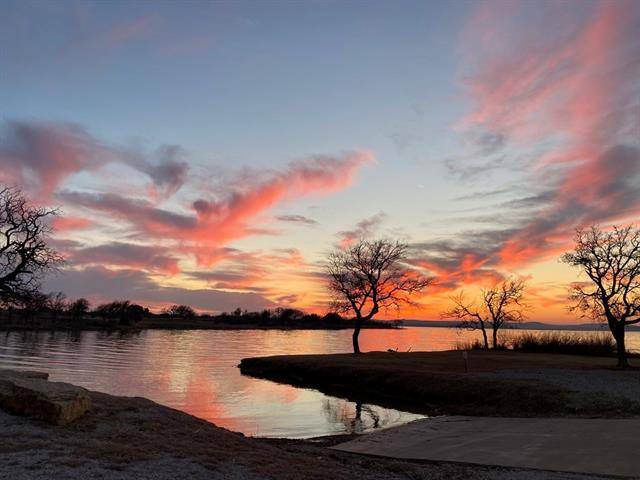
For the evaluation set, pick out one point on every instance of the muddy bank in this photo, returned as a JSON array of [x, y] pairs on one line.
[[491, 384]]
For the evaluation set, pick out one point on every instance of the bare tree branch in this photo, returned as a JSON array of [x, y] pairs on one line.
[[611, 261], [25, 256], [499, 306], [370, 276]]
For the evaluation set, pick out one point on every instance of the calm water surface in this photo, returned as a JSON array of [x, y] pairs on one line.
[[196, 371]]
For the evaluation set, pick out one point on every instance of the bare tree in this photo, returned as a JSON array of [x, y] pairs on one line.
[[78, 308], [371, 275], [180, 311], [57, 303], [500, 305], [33, 304], [611, 260], [24, 254], [123, 312]]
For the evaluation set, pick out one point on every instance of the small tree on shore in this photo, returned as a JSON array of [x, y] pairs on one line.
[[78, 308], [180, 311], [611, 261], [57, 304], [368, 276], [123, 312], [498, 306], [33, 304], [25, 256]]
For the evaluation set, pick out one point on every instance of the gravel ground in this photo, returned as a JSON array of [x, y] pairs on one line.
[[134, 438], [36, 465], [621, 384]]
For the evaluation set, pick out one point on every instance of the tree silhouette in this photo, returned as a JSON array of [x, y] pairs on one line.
[[122, 311], [502, 304], [180, 311], [57, 303], [78, 308], [368, 276], [24, 254], [611, 261]]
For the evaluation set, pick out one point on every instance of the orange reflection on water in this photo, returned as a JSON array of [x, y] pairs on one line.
[[196, 371]]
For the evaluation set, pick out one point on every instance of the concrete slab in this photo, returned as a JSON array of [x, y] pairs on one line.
[[592, 446]]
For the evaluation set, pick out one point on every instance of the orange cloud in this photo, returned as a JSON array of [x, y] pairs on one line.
[[230, 215]]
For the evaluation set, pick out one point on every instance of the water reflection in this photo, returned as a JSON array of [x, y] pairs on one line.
[[358, 417], [196, 371]]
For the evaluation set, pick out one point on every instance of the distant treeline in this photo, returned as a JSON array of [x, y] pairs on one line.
[[54, 310]]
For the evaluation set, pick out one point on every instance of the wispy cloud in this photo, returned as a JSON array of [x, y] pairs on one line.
[[362, 230], [139, 287], [225, 214], [41, 156], [150, 258], [296, 219], [567, 96]]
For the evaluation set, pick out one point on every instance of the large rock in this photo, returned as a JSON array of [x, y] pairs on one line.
[[31, 394]]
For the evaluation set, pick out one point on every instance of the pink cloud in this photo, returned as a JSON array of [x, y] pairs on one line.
[[41, 156], [226, 219], [44, 155], [362, 230], [570, 88], [235, 213], [69, 223], [151, 258]]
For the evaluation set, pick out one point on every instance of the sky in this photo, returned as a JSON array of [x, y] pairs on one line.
[[213, 153]]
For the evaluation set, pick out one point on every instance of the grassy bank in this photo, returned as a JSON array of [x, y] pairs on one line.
[[437, 383]]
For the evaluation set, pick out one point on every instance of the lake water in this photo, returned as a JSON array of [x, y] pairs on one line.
[[196, 371]]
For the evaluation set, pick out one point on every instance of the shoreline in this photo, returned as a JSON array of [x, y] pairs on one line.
[[498, 383], [155, 324], [175, 326], [135, 438]]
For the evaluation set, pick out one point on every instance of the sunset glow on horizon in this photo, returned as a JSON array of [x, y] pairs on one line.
[[212, 154]]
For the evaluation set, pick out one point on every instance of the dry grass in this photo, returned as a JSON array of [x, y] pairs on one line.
[[565, 343], [469, 345], [596, 344]]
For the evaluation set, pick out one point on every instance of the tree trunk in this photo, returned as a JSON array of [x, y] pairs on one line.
[[356, 334], [618, 334], [495, 338], [484, 336]]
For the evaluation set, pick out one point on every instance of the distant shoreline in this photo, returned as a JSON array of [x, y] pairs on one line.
[[577, 327], [172, 325], [163, 324]]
